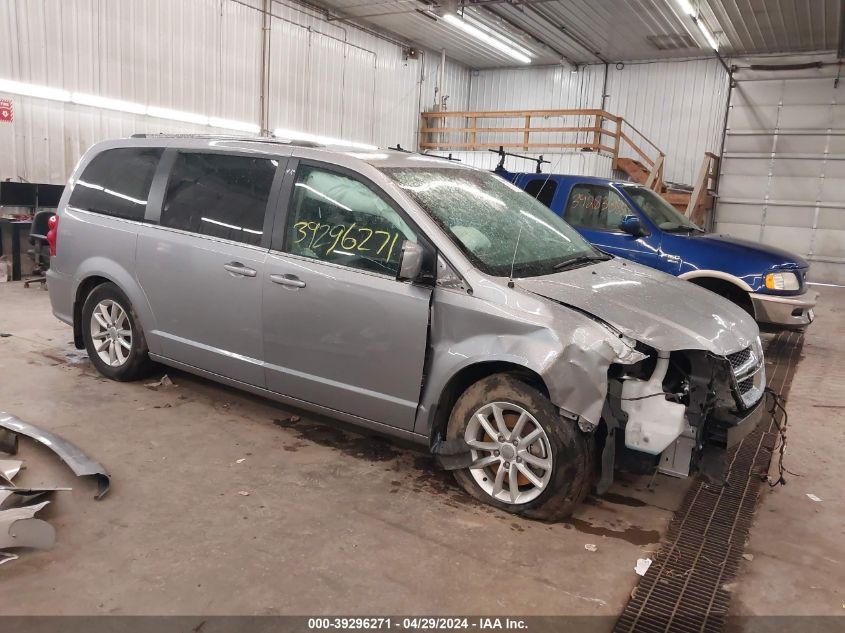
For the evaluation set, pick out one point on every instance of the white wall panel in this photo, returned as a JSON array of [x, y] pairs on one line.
[[201, 56], [678, 105], [783, 173]]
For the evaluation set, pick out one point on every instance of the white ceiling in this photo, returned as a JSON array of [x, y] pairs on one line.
[[590, 31]]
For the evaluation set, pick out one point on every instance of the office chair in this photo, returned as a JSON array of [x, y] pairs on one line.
[[40, 252]]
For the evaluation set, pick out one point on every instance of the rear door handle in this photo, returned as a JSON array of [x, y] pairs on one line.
[[287, 280], [237, 268]]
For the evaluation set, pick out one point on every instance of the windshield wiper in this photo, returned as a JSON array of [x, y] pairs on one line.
[[579, 260]]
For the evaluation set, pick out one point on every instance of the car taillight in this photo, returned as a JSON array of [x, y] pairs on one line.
[[52, 233]]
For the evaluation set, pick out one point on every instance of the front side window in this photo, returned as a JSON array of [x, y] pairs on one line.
[[220, 195], [543, 189], [338, 219], [117, 182], [596, 207], [663, 214], [496, 224]]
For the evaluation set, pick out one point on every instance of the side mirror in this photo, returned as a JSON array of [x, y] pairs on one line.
[[410, 261], [631, 225]]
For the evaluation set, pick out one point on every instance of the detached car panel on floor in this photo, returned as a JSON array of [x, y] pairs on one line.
[[628, 220]]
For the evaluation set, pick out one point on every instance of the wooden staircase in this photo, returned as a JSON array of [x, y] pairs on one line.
[[696, 204], [580, 129]]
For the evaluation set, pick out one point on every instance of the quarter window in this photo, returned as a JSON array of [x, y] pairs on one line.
[[542, 189], [595, 207], [117, 182], [220, 195], [339, 219]]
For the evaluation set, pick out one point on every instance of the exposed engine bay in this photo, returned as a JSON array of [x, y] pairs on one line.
[[681, 410]]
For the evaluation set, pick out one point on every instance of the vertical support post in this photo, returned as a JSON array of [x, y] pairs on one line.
[[264, 89], [617, 139], [655, 179], [597, 133], [474, 124], [527, 127]]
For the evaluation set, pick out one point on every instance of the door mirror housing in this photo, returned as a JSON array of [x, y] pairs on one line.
[[416, 263], [631, 225]]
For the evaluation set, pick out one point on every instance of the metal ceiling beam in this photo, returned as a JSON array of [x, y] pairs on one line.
[[569, 33]]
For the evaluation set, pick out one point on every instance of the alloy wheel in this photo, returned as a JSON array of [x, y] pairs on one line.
[[511, 454], [111, 332]]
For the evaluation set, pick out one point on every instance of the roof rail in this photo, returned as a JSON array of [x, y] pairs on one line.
[[234, 137]]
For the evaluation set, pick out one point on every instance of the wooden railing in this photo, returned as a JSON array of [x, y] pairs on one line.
[[603, 132]]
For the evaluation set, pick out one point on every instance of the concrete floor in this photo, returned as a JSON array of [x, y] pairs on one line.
[[798, 545], [339, 522]]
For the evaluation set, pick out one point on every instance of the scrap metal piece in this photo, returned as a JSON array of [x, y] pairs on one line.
[[8, 442], [19, 528], [80, 463], [12, 497], [9, 468]]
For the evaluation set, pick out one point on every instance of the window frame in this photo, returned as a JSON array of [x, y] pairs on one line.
[[161, 183], [82, 169], [279, 245], [610, 189]]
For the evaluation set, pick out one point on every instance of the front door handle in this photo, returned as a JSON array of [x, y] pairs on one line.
[[287, 280], [237, 268]]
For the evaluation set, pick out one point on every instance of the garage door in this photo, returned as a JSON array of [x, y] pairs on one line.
[[783, 174]]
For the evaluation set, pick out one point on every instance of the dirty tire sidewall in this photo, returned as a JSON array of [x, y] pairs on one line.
[[138, 364], [572, 450]]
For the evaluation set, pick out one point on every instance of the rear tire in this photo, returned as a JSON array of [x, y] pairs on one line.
[[113, 336], [516, 435]]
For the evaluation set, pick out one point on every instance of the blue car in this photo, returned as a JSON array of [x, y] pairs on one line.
[[631, 221]]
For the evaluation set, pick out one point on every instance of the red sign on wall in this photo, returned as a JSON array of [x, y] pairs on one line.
[[6, 112]]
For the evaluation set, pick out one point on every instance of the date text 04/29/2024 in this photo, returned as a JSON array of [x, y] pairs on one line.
[[416, 623]]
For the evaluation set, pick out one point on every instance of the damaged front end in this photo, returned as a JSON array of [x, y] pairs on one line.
[[681, 411]]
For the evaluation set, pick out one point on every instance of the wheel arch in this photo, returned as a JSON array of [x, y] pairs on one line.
[[468, 375], [724, 284], [97, 271]]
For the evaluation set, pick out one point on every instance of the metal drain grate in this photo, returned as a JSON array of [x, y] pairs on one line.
[[683, 590]]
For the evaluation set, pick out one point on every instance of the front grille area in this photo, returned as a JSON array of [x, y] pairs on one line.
[[740, 358], [749, 374]]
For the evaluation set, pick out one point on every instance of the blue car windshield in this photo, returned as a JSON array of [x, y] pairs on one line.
[[496, 224], [663, 214]]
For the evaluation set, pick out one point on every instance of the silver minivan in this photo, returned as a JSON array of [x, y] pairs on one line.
[[406, 294]]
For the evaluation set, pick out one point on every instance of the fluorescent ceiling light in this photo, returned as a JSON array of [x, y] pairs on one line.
[[33, 90], [686, 7], [499, 36], [104, 103], [707, 35], [294, 135], [108, 104], [480, 35]]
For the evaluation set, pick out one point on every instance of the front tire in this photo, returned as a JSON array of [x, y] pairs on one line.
[[527, 459], [113, 336]]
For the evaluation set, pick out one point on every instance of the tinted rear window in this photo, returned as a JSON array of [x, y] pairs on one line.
[[117, 182], [220, 195], [543, 189]]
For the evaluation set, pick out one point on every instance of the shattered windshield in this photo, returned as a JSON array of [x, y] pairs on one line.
[[494, 222], [663, 214]]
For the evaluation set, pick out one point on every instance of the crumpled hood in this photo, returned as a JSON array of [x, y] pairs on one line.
[[649, 306]]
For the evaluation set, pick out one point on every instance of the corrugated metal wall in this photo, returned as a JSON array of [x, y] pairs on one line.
[[200, 56], [679, 105]]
